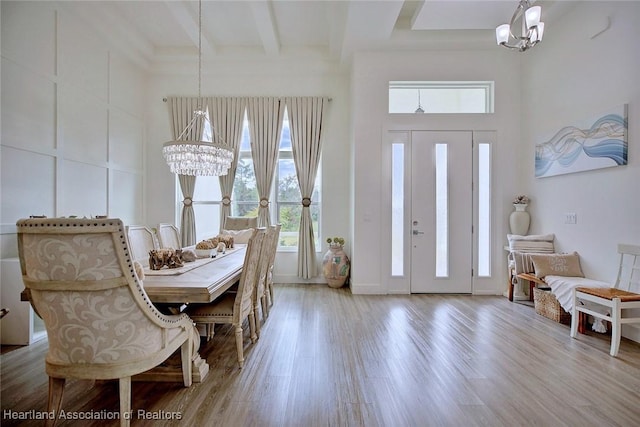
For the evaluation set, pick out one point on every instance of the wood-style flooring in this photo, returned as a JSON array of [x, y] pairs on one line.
[[329, 358]]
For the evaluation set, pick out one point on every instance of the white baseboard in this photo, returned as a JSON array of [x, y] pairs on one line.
[[367, 289]]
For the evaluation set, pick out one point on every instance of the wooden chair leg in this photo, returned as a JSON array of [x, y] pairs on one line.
[[256, 315], [582, 322], [186, 355], [252, 327], [56, 389], [510, 288], [265, 306], [125, 401], [239, 346]]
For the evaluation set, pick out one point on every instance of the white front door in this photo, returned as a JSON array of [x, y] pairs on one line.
[[441, 211]]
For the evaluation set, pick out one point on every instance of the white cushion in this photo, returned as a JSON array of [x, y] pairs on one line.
[[239, 236], [541, 243]]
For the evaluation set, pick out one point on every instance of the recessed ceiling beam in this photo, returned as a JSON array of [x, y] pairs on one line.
[[265, 23], [187, 19]]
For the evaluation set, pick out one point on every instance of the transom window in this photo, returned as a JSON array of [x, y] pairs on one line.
[[440, 97]]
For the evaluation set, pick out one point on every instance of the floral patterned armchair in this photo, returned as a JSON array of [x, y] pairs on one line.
[[100, 322]]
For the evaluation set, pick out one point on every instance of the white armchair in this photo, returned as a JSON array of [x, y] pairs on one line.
[[100, 322]]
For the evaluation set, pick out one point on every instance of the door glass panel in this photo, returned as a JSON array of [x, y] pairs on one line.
[[397, 210], [442, 212], [484, 210]]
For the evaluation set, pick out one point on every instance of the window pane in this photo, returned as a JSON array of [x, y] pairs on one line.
[[244, 186], [288, 189], [245, 141], [397, 210], [484, 210], [244, 208], [207, 220], [285, 136], [442, 212], [289, 218], [207, 189], [440, 97]]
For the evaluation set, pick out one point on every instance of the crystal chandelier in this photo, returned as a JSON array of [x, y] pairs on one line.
[[531, 28], [198, 157]]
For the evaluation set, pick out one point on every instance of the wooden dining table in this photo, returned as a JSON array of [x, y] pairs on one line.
[[201, 281], [198, 282]]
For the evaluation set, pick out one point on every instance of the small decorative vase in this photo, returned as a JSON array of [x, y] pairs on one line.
[[335, 266], [519, 219]]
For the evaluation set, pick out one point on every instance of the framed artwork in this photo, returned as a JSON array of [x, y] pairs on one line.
[[600, 141]]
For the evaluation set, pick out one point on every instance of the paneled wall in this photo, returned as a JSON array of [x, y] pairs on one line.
[[72, 133], [72, 121]]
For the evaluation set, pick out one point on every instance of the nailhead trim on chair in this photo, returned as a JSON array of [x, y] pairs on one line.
[[55, 222]]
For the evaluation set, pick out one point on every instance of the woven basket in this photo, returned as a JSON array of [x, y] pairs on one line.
[[547, 305]]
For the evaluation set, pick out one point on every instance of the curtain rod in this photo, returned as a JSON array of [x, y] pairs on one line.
[[166, 99]]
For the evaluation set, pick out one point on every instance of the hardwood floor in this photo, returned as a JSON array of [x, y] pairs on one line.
[[329, 358]]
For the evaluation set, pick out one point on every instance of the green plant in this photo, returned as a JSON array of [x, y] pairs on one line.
[[335, 241]]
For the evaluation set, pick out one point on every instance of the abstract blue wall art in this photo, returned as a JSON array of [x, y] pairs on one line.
[[599, 142]]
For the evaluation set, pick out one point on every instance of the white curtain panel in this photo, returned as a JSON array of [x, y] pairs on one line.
[[181, 112], [306, 116], [265, 116], [226, 115]]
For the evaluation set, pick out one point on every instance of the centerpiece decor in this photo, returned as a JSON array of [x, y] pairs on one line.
[[520, 219], [335, 264]]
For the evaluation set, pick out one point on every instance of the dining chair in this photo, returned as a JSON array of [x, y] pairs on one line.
[[240, 222], [616, 299], [260, 289], [169, 236], [234, 308], [268, 277], [100, 323], [141, 241]]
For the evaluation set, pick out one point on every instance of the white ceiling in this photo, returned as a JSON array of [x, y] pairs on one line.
[[156, 32]]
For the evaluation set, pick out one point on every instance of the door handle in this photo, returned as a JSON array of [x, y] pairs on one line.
[[416, 232]]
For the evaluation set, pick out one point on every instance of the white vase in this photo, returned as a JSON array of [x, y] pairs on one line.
[[519, 219]]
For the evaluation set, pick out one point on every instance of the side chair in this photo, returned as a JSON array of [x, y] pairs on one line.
[[260, 292], [235, 307], [141, 240], [100, 323], [169, 236], [615, 300]]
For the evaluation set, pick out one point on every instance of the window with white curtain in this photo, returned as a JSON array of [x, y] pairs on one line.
[[285, 196]]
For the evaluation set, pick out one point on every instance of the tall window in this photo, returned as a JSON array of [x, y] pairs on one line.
[[285, 197]]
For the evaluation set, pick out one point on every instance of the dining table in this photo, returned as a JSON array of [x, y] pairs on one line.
[[200, 281]]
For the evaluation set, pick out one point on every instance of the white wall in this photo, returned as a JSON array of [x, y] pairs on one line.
[[307, 77], [371, 74], [571, 77], [73, 121], [72, 126]]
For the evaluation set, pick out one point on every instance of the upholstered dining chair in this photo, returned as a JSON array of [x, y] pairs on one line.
[[169, 236], [100, 323], [235, 307], [616, 300], [240, 223], [141, 240]]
